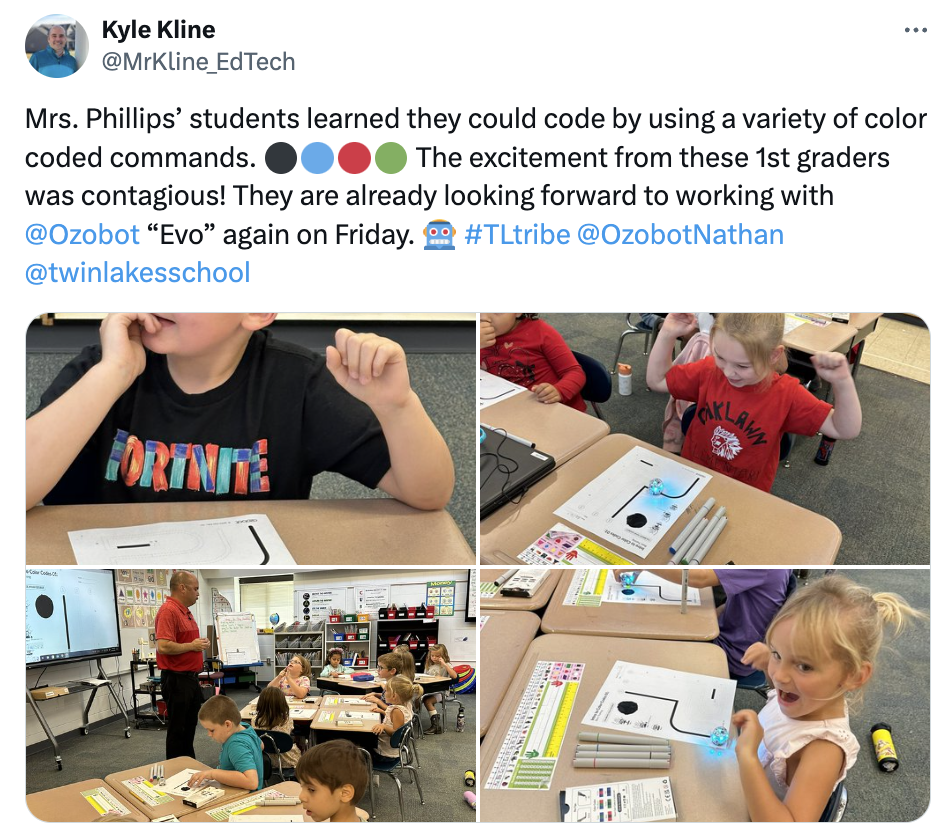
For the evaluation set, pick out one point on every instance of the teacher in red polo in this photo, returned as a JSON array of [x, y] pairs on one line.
[[181, 659]]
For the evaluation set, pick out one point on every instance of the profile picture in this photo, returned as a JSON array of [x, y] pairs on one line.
[[56, 46]]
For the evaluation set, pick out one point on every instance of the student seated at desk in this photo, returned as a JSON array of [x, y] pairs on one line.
[[334, 666], [753, 598], [744, 405], [332, 777], [437, 663], [241, 761], [523, 349], [819, 652], [174, 407], [294, 679], [400, 694], [273, 714]]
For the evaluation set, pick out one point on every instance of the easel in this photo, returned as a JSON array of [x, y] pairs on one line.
[[75, 688]]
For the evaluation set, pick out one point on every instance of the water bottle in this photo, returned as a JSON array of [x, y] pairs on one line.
[[825, 450], [460, 717]]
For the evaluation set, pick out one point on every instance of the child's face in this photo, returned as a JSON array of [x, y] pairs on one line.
[[386, 673], [731, 358], [503, 322], [193, 334], [335, 660], [320, 802], [295, 668], [807, 688], [218, 733]]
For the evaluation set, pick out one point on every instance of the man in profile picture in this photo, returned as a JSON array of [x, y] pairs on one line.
[[54, 61]]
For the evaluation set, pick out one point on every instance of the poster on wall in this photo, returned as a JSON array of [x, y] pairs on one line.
[[441, 597], [371, 598]]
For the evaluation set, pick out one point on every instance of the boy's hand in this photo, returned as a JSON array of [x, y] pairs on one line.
[[680, 324], [751, 732], [547, 393], [488, 335], [371, 368], [199, 778], [121, 337], [757, 656], [832, 366]]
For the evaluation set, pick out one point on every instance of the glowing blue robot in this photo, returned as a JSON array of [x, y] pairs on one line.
[[439, 235]]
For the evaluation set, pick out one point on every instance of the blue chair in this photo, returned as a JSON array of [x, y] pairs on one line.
[[275, 743], [598, 388], [403, 741]]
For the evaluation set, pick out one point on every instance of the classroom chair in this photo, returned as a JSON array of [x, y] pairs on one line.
[[275, 743], [598, 388], [836, 806], [633, 328], [403, 741]]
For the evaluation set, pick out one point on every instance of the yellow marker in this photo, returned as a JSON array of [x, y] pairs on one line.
[[562, 720]]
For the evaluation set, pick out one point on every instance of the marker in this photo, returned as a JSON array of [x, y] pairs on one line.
[[655, 755], [597, 737], [682, 553], [161, 774], [506, 576], [532, 445], [619, 763], [699, 515], [699, 556], [154, 772], [616, 747]]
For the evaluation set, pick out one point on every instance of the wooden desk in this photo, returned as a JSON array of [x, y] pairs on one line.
[[66, 803], [504, 639], [429, 684], [284, 788], [706, 783], [836, 336], [176, 807], [762, 528], [508, 602], [556, 429], [249, 711], [380, 531], [631, 621]]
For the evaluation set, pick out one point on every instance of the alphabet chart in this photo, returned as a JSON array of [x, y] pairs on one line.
[[531, 748]]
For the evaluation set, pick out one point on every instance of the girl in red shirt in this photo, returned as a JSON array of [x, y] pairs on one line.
[[525, 350], [743, 404]]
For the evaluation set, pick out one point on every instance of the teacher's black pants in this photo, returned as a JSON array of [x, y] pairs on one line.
[[183, 699]]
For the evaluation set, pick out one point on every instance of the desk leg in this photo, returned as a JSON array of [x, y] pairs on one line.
[[46, 728]]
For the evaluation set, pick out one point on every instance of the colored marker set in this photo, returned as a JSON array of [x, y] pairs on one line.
[[694, 542], [621, 751]]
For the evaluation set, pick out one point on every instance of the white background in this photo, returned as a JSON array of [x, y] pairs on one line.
[[874, 250]]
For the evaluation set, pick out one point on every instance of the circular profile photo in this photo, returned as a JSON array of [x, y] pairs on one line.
[[56, 46]]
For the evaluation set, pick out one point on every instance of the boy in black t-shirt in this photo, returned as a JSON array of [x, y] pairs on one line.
[[174, 407]]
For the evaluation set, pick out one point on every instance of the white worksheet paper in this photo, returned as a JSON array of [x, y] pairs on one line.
[[250, 540], [591, 587], [659, 702], [618, 506], [493, 389]]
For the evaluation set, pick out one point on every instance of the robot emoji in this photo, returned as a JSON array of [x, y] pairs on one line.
[[439, 235]]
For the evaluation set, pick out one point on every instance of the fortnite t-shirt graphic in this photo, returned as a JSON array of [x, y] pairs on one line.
[[263, 434], [159, 467], [736, 431]]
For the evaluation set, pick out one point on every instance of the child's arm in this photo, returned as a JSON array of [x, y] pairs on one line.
[[570, 377], [845, 421], [374, 370], [57, 434], [275, 682], [660, 358], [816, 772], [398, 720], [247, 780]]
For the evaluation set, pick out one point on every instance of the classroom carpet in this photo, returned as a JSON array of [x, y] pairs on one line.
[[876, 487], [898, 694], [444, 758], [446, 384]]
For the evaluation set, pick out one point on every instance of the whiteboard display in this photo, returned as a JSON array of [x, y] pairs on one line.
[[237, 638]]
